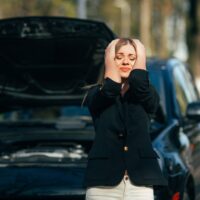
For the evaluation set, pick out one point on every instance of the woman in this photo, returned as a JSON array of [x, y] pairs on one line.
[[122, 163]]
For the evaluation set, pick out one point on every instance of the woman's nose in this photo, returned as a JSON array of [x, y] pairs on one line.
[[125, 61]]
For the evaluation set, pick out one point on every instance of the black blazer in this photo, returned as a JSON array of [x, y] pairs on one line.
[[122, 141]]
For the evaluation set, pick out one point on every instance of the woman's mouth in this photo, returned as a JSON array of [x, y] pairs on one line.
[[125, 69]]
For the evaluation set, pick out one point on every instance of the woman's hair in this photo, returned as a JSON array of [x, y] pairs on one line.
[[120, 43], [124, 41]]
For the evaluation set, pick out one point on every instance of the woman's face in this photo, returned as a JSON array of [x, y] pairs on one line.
[[125, 59]]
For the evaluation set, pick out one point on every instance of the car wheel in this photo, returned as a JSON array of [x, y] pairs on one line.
[[188, 194], [189, 190]]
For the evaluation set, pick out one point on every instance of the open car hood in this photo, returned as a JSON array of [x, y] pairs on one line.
[[49, 59]]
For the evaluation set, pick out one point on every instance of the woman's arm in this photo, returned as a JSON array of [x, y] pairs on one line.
[[143, 91], [99, 98], [111, 70], [138, 80]]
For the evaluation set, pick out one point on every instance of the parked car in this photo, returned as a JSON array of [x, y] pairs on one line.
[[176, 125], [45, 137], [45, 134]]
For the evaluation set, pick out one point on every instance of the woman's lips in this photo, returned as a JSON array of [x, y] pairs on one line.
[[125, 69]]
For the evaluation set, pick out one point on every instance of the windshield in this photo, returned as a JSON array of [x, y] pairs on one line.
[[157, 80]]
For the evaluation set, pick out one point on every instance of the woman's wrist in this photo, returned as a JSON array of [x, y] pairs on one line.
[[113, 76], [110, 88]]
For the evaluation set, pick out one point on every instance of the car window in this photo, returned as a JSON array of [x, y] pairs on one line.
[[190, 84], [183, 87]]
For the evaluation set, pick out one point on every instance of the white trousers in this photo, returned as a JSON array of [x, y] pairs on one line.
[[126, 190]]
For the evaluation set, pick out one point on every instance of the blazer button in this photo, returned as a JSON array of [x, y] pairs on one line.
[[125, 148], [120, 135]]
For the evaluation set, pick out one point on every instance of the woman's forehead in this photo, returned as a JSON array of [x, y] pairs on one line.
[[128, 48]]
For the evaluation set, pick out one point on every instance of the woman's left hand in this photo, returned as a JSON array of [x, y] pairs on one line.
[[141, 55]]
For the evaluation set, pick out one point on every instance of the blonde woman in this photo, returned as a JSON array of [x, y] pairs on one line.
[[122, 164]]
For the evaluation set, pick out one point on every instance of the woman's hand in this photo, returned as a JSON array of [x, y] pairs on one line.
[[141, 55], [111, 70]]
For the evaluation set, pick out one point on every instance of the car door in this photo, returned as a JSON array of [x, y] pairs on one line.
[[185, 93]]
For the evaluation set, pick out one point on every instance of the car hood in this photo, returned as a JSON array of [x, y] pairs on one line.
[[49, 59]]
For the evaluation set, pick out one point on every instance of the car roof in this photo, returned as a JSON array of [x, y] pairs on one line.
[[161, 64]]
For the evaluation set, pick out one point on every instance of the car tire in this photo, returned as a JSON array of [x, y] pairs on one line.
[[186, 196], [189, 191]]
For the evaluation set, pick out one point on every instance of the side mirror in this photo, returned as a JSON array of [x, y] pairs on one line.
[[193, 110]]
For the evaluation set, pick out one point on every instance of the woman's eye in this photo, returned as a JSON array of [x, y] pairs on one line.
[[118, 57], [132, 59]]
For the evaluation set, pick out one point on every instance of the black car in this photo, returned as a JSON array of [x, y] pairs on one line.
[[45, 133], [175, 128], [46, 64]]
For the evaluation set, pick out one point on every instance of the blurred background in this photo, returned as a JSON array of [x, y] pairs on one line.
[[166, 27]]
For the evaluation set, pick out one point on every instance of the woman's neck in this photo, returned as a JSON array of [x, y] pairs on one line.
[[124, 87], [124, 80]]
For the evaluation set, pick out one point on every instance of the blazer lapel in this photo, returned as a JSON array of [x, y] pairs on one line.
[[121, 112]]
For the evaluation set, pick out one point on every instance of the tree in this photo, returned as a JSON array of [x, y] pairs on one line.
[[146, 24], [193, 38], [14, 8]]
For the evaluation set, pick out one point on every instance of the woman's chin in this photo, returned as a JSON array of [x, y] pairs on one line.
[[124, 74]]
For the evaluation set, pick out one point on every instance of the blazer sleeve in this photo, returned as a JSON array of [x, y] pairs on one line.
[[143, 91], [101, 97]]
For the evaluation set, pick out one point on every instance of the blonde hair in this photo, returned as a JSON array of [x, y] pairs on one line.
[[124, 41]]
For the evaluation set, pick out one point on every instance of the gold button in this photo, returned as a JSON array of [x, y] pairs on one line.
[[125, 148]]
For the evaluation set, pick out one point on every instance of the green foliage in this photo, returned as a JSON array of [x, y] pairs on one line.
[[13, 8], [156, 22]]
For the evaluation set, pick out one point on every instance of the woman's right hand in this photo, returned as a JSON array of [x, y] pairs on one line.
[[111, 70], [141, 55]]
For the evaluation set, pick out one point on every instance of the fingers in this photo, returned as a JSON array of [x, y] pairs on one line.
[[141, 55], [111, 46], [111, 70], [113, 42], [110, 50], [139, 46]]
